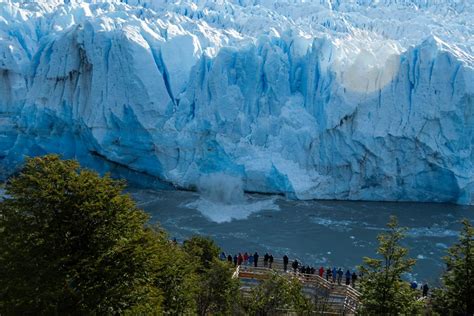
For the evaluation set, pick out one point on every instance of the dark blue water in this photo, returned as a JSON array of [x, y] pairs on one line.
[[329, 233]]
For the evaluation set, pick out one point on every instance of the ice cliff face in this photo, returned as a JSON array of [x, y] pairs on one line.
[[323, 99]]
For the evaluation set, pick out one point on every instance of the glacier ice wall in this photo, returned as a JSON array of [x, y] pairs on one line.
[[312, 99]]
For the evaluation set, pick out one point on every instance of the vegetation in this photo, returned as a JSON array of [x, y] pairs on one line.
[[383, 290], [456, 296], [72, 243], [217, 291], [275, 295]]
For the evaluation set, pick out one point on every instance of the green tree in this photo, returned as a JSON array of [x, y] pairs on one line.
[[72, 243], [217, 291], [383, 291], [277, 295], [456, 296]]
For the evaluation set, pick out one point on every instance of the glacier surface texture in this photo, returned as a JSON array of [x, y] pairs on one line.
[[327, 99]]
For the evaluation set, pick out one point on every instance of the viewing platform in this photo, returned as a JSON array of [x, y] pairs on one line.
[[330, 298]]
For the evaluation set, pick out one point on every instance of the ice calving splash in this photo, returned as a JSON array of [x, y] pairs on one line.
[[222, 199]]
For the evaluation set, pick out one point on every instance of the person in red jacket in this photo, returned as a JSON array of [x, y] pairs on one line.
[[240, 259], [246, 258], [321, 271]]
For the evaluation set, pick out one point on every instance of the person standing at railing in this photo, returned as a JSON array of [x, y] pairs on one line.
[[246, 258], [340, 273], [354, 279], [229, 259], [348, 277], [321, 271], [285, 262], [425, 290], [334, 275], [265, 260], [255, 259], [294, 265], [328, 274], [270, 261], [222, 256], [251, 260]]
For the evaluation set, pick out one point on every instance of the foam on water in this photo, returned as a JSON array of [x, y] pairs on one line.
[[222, 199], [431, 232]]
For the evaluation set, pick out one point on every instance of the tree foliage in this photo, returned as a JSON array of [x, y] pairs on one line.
[[456, 296], [72, 243], [217, 290], [383, 291], [275, 296]]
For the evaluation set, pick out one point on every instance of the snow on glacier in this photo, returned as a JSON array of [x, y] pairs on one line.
[[325, 99]]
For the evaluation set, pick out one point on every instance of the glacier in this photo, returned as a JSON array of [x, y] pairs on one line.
[[318, 99]]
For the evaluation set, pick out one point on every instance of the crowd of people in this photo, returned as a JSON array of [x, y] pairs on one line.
[[330, 274], [248, 259]]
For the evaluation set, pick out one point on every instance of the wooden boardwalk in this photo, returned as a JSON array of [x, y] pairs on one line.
[[331, 298]]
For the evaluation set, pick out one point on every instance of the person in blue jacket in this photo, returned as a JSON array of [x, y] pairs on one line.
[[340, 273], [250, 260]]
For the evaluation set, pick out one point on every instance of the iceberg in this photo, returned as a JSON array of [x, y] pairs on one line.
[[320, 99]]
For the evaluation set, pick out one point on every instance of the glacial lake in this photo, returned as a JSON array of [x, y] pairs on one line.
[[328, 233]]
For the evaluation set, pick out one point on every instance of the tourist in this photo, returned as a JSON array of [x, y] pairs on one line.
[[240, 259], [340, 273], [328, 274], [312, 270], [265, 260], [414, 285], [255, 259], [425, 290], [285, 262], [235, 260], [354, 279], [222, 256], [348, 277], [303, 269], [229, 258], [250, 260], [270, 261], [334, 275], [294, 265], [246, 258], [321, 271]]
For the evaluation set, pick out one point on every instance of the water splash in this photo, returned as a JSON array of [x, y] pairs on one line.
[[222, 199], [221, 188]]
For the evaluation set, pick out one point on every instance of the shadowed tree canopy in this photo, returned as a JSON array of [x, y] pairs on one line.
[[72, 243], [277, 295], [456, 296], [218, 292]]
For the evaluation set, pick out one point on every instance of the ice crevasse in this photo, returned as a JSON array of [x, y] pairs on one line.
[[358, 100]]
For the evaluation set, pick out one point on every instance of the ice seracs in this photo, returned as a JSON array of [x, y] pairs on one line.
[[312, 99]]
